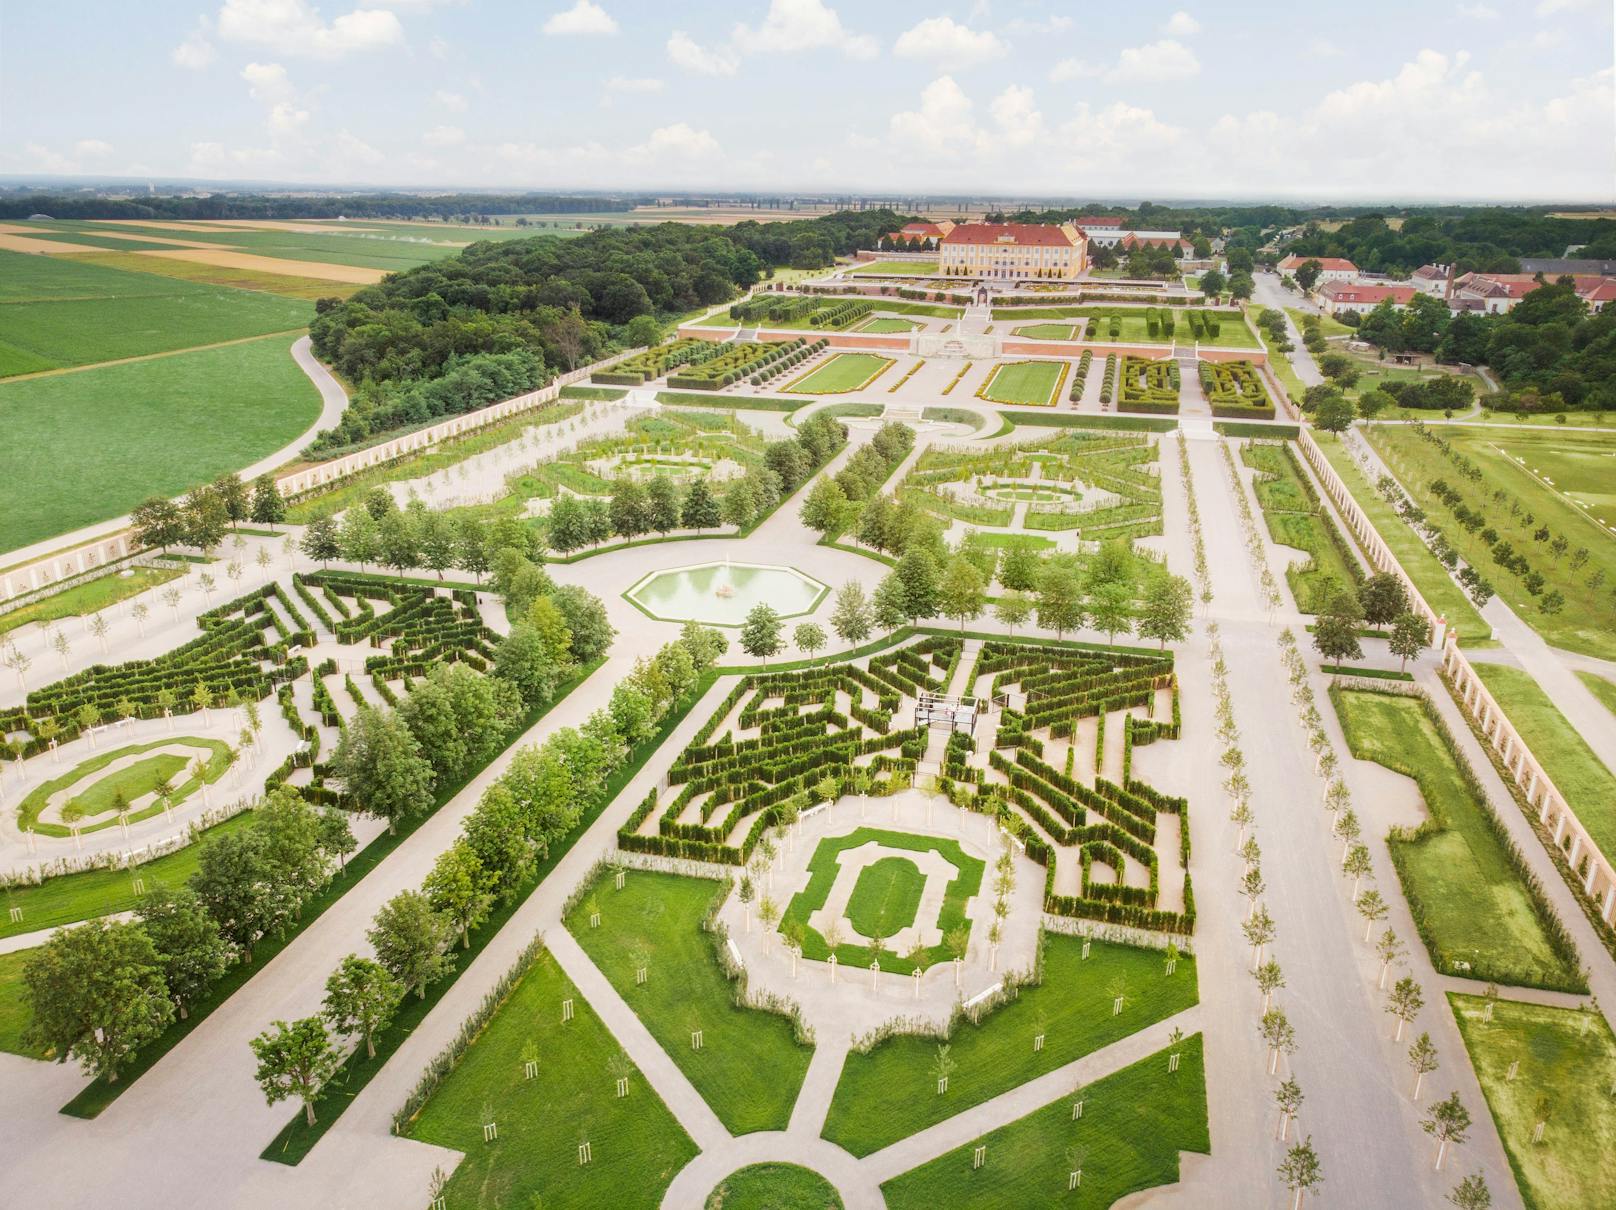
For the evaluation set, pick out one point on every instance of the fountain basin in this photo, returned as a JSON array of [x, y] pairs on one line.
[[722, 594]]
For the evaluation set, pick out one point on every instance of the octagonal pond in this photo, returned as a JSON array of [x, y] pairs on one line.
[[724, 593]]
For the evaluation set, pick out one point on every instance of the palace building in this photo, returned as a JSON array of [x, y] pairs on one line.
[[1014, 251]]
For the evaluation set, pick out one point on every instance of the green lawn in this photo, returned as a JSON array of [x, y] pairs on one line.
[[1573, 766], [844, 372], [73, 897], [90, 596], [55, 311], [884, 324], [637, 1146], [750, 1066], [1601, 687], [774, 1187], [1579, 463], [898, 268], [1328, 326], [1567, 1056], [88, 446], [1134, 1124], [885, 897], [823, 869], [1464, 893], [1293, 521], [139, 778], [1045, 332], [891, 1092], [1024, 382], [15, 1011], [1438, 588]]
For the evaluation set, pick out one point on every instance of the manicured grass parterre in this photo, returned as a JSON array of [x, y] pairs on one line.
[[891, 1093], [68, 898], [774, 1187], [58, 312], [751, 1065], [1438, 588], [1573, 766], [1296, 518], [1134, 1124], [886, 324], [636, 1144], [1601, 687], [90, 596], [87, 446], [1555, 468], [95, 798], [16, 1011], [1467, 897], [896, 268], [1046, 332], [1568, 1058], [844, 372], [1024, 382], [822, 872], [885, 897]]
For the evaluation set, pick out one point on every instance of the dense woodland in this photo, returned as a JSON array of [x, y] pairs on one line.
[[504, 317]]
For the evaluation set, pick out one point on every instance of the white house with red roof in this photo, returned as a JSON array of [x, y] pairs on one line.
[[1495, 293], [1331, 268], [1337, 297], [1013, 251]]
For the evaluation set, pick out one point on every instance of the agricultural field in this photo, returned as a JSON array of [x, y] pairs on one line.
[[1467, 896], [1562, 480], [1135, 1123], [1297, 519], [1025, 383], [307, 288], [889, 1093], [119, 433], [636, 1145], [56, 312], [843, 373], [1567, 1067], [750, 1065], [1589, 787]]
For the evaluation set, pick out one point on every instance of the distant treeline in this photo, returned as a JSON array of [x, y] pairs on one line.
[[1490, 240], [358, 205]]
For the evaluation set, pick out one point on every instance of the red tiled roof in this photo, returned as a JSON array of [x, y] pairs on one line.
[[1016, 233], [1343, 292], [1605, 291], [1164, 241], [1335, 263], [923, 229]]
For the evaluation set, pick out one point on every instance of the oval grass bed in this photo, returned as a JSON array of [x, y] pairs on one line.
[[133, 781], [774, 1187], [885, 897]]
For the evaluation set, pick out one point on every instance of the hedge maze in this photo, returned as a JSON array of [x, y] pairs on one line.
[[762, 757], [1235, 390], [1148, 385], [1112, 829]]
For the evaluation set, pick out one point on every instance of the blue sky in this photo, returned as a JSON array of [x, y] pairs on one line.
[[1387, 99]]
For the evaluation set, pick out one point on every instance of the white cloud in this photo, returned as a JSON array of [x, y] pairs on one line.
[[1154, 63], [1071, 69], [1055, 23], [196, 52], [633, 84], [214, 159], [454, 102], [438, 48], [351, 149], [582, 18], [292, 27], [1015, 112], [1478, 12], [1323, 48], [1548, 8], [1181, 25], [793, 25], [943, 119], [92, 147], [685, 52], [286, 118], [267, 82], [1547, 39], [947, 44], [444, 136], [677, 142]]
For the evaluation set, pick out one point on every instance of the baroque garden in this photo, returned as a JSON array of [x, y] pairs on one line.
[[894, 739]]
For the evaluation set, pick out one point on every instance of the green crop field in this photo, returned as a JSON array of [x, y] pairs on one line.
[[844, 372], [1024, 383], [1563, 479], [1567, 1058], [378, 249], [1438, 588], [750, 1066], [1134, 1124], [898, 268], [1457, 877], [637, 1146], [56, 312], [308, 288], [1570, 763], [88, 446], [890, 1093]]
